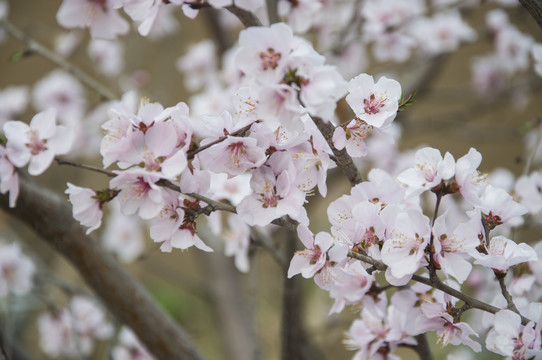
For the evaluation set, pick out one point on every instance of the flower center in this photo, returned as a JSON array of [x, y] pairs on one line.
[[374, 104], [36, 145], [270, 59]]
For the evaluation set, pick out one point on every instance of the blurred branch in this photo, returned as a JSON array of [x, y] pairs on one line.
[[534, 7], [17, 352], [291, 314], [272, 11], [220, 35], [423, 349], [36, 47], [50, 217], [246, 17]]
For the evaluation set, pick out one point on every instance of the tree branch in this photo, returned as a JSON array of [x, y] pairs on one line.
[[343, 160], [437, 284], [34, 46], [246, 17], [423, 349], [50, 217], [534, 7], [291, 329]]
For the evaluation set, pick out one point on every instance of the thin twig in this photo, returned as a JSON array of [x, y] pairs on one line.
[[437, 284], [509, 301], [190, 155], [532, 155], [34, 46], [534, 7], [61, 161]]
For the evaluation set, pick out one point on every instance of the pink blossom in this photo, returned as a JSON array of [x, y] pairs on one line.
[[352, 135], [14, 100], [467, 178], [138, 193], [129, 347], [300, 14], [452, 247], [274, 196], [106, 56], [350, 286], [375, 103], [442, 33], [37, 143], [64, 93], [71, 332], [309, 261], [100, 16], [87, 209], [263, 52], [16, 270], [509, 338], [404, 250], [449, 331], [237, 242], [172, 229], [498, 207], [123, 235], [502, 253], [199, 65], [429, 170], [234, 156], [9, 178]]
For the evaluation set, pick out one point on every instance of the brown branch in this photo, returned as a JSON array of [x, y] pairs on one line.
[[423, 349], [50, 216], [61, 161], [291, 327], [534, 7], [190, 155], [343, 160], [36, 47], [272, 11], [246, 17], [509, 301], [437, 284]]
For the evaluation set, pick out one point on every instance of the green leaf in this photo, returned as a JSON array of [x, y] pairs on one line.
[[404, 103]]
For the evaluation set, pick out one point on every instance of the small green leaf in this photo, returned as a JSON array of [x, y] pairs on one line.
[[404, 103], [17, 56]]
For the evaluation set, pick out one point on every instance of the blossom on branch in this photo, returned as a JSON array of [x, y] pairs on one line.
[[38, 143]]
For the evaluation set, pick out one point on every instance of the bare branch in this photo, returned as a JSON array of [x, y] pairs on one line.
[[437, 284], [500, 278], [534, 7], [423, 349], [50, 217], [61, 161], [34, 46], [246, 17]]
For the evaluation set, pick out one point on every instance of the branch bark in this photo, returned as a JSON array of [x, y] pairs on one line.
[[534, 7], [437, 284], [49, 215], [343, 160]]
